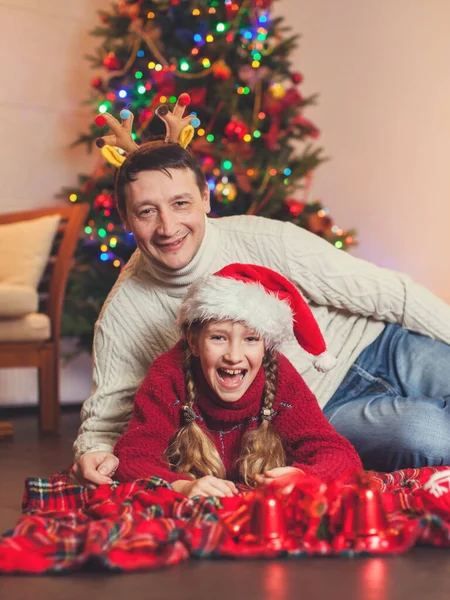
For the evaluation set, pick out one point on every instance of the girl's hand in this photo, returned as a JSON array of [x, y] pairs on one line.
[[269, 476], [206, 486]]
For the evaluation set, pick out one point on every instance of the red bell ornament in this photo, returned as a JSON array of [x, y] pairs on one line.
[[260, 524], [362, 525], [362, 513], [369, 518], [268, 520], [348, 510]]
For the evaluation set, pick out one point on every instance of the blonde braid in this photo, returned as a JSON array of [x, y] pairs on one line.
[[262, 448], [192, 451]]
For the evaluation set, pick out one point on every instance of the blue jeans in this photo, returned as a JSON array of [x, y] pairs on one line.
[[394, 403]]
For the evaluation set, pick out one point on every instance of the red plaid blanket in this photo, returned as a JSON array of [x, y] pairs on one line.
[[145, 524]]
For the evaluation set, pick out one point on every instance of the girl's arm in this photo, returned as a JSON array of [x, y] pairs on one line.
[[311, 442]]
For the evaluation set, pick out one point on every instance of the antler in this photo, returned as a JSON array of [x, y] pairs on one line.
[[121, 136], [179, 129]]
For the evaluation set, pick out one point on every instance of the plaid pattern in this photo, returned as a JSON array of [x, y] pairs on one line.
[[145, 524]]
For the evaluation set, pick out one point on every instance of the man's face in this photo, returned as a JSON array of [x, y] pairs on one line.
[[167, 215]]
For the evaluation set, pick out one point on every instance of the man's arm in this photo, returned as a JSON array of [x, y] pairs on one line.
[[117, 375], [328, 276]]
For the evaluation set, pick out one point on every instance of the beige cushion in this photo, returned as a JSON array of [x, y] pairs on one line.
[[31, 328], [17, 300], [24, 250]]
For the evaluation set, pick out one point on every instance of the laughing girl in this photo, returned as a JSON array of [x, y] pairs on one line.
[[224, 405]]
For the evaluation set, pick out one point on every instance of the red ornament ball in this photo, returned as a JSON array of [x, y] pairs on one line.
[[297, 77], [236, 130], [97, 82], [295, 207], [111, 61], [103, 201], [208, 163]]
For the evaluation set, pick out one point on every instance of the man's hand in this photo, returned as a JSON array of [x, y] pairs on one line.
[[94, 468], [206, 486], [269, 476]]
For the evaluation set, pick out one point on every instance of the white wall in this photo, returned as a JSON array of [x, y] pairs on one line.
[[381, 67], [382, 70], [44, 79]]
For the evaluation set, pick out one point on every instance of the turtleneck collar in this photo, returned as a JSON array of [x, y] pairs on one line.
[[218, 412], [176, 282]]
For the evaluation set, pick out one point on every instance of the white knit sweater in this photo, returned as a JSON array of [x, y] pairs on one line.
[[350, 298]]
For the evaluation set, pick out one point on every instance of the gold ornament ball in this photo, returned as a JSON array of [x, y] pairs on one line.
[[225, 192], [277, 91]]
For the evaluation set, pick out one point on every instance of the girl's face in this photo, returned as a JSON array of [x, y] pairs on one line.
[[231, 355]]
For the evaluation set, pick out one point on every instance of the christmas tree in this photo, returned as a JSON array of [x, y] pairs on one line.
[[255, 145]]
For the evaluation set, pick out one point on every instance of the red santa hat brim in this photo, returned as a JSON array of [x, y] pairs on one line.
[[264, 300], [224, 299]]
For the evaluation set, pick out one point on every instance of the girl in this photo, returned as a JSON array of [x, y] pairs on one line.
[[223, 405]]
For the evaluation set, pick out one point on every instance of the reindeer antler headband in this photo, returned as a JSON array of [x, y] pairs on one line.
[[179, 130]]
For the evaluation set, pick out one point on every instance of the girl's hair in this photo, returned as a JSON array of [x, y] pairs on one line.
[[193, 452]]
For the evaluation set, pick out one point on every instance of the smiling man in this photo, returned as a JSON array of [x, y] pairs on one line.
[[168, 226], [390, 390]]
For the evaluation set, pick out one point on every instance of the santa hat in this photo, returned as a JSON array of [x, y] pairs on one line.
[[262, 299]]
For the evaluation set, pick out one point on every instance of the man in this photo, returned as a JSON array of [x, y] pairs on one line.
[[387, 394]]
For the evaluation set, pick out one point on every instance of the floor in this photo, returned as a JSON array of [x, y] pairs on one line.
[[421, 573]]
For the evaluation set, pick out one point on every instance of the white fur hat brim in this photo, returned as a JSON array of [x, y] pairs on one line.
[[226, 299]]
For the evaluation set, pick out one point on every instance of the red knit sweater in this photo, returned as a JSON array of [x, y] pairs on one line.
[[309, 440]]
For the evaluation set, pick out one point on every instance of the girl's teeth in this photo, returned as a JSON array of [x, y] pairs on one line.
[[231, 375]]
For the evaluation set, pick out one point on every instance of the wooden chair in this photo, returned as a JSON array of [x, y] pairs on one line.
[[45, 355]]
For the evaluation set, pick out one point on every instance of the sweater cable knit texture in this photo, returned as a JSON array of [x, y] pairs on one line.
[[351, 299]]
